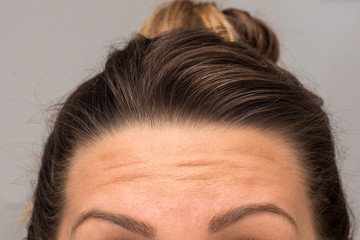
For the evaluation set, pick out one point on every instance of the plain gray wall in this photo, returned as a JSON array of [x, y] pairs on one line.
[[48, 47]]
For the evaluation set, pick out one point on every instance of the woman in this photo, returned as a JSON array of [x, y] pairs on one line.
[[191, 131]]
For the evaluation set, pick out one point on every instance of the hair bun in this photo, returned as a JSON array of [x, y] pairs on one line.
[[255, 32], [232, 24]]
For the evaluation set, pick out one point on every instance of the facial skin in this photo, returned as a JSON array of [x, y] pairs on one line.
[[172, 182]]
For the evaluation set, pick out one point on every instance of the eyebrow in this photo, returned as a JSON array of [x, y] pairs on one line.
[[221, 221], [216, 224], [126, 222]]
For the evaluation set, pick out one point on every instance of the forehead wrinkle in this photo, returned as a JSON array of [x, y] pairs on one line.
[[232, 163], [224, 175], [224, 163], [120, 164], [221, 178], [223, 170], [202, 163], [126, 178]]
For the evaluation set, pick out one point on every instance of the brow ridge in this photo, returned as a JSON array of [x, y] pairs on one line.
[[126, 222], [221, 221]]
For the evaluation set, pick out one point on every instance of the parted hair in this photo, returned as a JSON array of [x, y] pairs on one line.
[[191, 62]]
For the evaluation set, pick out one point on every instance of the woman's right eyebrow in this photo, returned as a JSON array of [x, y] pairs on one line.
[[126, 222]]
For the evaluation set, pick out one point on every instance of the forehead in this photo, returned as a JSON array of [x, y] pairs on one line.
[[184, 154], [166, 171]]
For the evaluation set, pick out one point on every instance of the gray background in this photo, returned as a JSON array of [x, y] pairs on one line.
[[48, 47]]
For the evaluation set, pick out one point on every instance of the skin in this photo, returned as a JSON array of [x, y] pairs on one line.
[[177, 178]]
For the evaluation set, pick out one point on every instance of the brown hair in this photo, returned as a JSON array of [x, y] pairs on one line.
[[195, 73]]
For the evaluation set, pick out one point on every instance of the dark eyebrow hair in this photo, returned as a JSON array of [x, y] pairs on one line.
[[216, 224], [221, 221], [126, 222]]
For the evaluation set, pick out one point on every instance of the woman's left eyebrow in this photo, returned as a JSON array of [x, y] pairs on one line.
[[221, 221], [126, 222]]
